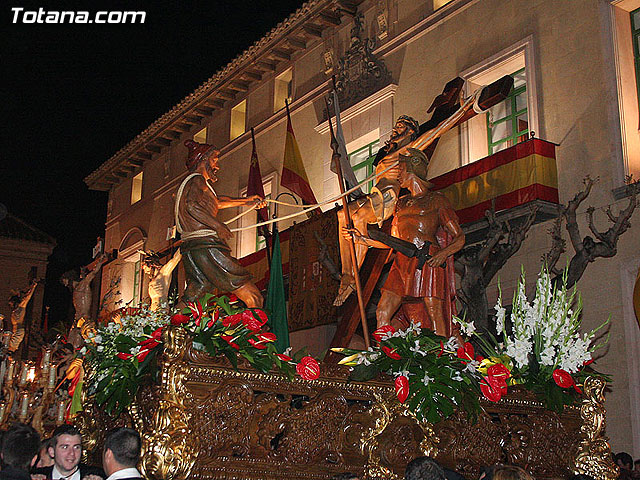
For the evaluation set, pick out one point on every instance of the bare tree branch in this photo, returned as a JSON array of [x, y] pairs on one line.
[[558, 246]]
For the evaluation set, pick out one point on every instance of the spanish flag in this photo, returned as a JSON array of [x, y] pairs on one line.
[[294, 176]]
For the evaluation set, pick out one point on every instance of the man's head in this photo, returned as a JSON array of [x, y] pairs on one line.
[[66, 448], [423, 468], [44, 459], [121, 450], [624, 460], [202, 158], [414, 162], [405, 125], [151, 263], [20, 445]]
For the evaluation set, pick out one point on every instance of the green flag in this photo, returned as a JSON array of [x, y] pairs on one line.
[[276, 304]]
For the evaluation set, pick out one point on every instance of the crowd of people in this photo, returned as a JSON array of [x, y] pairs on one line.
[[25, 457], [426, 468]]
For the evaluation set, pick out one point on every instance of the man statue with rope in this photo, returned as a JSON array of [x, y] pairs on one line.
[[206, 256]]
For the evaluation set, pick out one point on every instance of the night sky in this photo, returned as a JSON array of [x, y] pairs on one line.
[[73, 95]]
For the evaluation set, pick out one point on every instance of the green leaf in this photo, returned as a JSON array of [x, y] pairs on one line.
[[362, 372], [233, 358]]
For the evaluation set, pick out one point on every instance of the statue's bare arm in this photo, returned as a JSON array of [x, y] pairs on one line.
[[168, 267]]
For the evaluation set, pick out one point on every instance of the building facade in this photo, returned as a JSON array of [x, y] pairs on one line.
[[575, 85]]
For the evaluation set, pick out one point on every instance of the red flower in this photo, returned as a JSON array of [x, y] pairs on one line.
[[251, 322], [383, 331], [157, 333], [179, 319], [402, 388], [229, 340], [479, 358], [587, 363], [441, 349], [232, 320], [149, 343], [308, 368], [124, 356], [233, 298], [257, 344], [466, 353], [391, 353], [500, 373], [283, 357], [142, 355], [490, 390], [196, 311], [562, 378]]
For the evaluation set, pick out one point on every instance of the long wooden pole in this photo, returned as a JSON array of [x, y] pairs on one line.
[[349, 223]]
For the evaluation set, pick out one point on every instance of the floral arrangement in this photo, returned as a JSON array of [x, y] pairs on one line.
[[540, 348], [543, 349], [432, 374], [123, 352]]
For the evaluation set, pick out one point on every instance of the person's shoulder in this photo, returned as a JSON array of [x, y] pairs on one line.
[[440, 200], [43, 471], [91, 470]]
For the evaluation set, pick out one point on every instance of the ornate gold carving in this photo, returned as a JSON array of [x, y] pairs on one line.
[[395, 437], [169, 450], [594, 452]]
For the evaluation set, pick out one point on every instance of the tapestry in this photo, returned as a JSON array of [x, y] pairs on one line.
[[313, 258]]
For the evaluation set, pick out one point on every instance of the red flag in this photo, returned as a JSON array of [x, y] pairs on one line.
[[254, 186], [294, 176]]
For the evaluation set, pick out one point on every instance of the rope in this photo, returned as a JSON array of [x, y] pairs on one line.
[[306, 208]]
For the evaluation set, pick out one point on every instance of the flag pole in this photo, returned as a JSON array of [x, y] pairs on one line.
[[335, 157]]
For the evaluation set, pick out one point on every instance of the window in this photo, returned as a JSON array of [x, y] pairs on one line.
[[362, 162], [136, 283], [626, 17], [283, 90], [635, 39], [440, 3], [201, 136], [238, 119], [507, 122], [136, 188], [510, 121], [248, 240]]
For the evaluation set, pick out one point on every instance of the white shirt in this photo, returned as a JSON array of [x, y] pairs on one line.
[[55, 474], [124, 473]]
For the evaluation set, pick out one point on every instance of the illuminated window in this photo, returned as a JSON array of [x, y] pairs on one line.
[[508, 121], [136, 283], [136, 188], [283, 90], [249, 241], [201, 136], [362, 162], [238, 119], [440, 3]]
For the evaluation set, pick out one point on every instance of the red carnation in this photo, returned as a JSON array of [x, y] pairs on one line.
[[308, 368], [402, 388], [383, 331], [466, 353], [562, 378], [391, 353], [179, 319]]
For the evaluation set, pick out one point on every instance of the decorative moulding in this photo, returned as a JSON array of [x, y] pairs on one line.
[[362, 106]]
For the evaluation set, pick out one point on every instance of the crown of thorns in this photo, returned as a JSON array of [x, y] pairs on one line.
[[410, 122]]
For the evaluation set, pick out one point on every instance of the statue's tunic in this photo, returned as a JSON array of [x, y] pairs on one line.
[[404, 278], [206, 258]]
